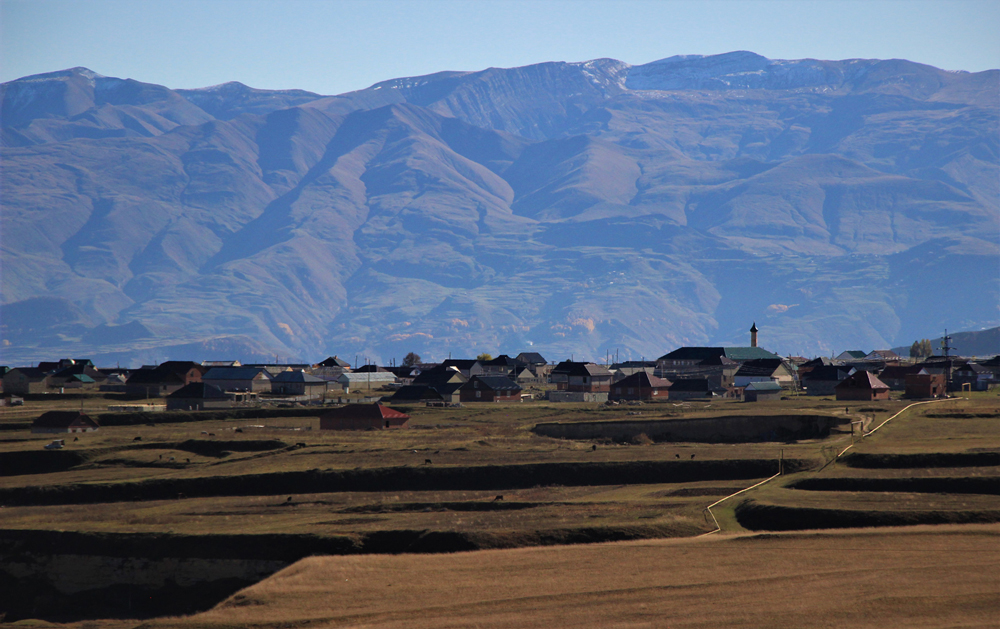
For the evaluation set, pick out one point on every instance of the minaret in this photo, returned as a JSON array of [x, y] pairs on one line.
[[753, 335]]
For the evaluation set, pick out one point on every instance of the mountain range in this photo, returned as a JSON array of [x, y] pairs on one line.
[[565, 208]]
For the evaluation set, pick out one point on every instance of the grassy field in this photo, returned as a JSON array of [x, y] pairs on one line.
[[921, 577], [282, 476]]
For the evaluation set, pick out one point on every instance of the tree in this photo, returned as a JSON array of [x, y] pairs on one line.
[[411, 359], [921, 349], [484, 357]]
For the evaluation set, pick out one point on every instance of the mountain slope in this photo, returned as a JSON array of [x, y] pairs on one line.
[[574, 207]]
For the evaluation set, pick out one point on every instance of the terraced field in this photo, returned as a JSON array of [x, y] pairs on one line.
[[148, 503]]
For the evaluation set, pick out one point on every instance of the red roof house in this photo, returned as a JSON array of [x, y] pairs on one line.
[[363, 417]]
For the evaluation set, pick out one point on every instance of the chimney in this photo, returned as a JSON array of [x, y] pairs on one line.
[[753, 335]]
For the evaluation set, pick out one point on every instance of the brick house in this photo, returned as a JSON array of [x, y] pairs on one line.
[[640, 386], [163, 379], [490, 389], [926, 383], [363, 417], [862, 385]]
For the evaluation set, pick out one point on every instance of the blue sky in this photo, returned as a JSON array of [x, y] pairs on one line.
[[333, 46]]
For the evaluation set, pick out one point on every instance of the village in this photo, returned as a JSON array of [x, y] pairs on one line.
[[749, 374]]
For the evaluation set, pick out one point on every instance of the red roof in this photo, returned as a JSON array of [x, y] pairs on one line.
[[365, 411]]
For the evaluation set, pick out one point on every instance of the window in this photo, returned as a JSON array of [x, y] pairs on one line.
[[479, 394]]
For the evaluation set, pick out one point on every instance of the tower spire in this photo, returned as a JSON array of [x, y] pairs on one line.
[[753, 334]]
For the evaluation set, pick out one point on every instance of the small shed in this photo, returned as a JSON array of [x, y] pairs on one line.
[[862, 386], [690, 388], [198, 396], [363, 417], [762, 392], [64, 421]]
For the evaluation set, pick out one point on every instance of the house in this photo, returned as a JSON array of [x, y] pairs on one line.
[[298, 382], [824, 380], [761, 391], [526, 376], [978, 377], [490, 389], [895, 375], [689, 388], [862, 385], [78, 375], [584, 378], [254, 379], [440, 375], [627, 368], [535, 363], [369, 380], [763, 370], [333, 361], [852, 354], [198, 396], [883, 355], [502, 365], [163, 379], [424, 394], [467, 367], [363, 417], [208, 364], [640, 386], [63, 421], [926, 383], [25, 381]]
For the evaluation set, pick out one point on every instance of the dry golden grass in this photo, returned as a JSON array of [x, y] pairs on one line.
[[916, 577]]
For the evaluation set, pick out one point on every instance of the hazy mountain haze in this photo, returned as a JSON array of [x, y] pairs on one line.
[[566, 207]]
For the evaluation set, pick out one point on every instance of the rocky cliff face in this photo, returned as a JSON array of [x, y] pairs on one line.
[[569, 207]]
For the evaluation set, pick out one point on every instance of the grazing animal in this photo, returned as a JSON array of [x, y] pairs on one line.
[[211, 434], [437, 452], [593, 447], [239, 430], [76, 438], [427, 462], [187, 460], [161, 457], [677, 456], [137, 439], [289, 499], [204, 432], [171, 458], [692, 456], [499, 497]]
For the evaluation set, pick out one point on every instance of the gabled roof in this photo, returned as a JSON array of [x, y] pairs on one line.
[[532, 358], [742, 354], [642, 380], [416, 392], [296, 376], [199, 391], [333, 361], [440, 375], [62, 419], [33, 374], [592, 370], [494, 383], [461, 363], [759, 367], [235, 373], [862, 380], [882, 354], [763, 386], [154, 376], [503, 360], [365, 411], [898, 372], [852, 353], [694, 353]]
